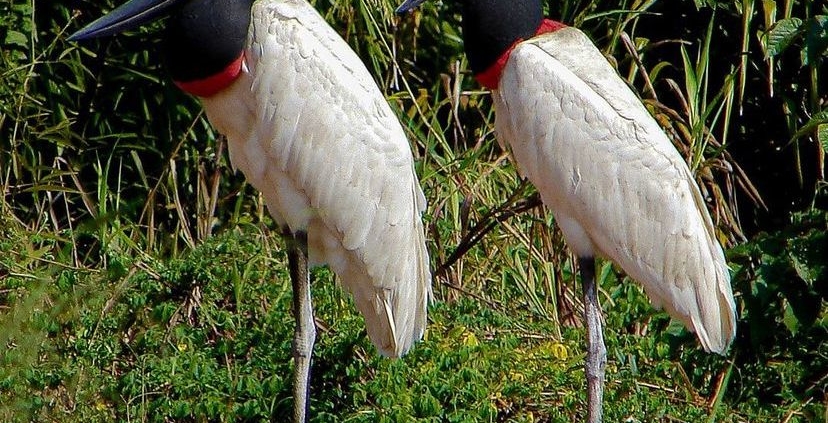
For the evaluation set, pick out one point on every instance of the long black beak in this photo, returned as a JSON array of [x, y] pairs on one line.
[[124, 17], [408, 5]]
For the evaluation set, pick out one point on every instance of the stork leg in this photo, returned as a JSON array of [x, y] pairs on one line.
[[596, 358], [305, 333]]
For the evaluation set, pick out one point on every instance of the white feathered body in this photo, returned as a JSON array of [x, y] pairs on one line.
[[309, 128], [614, 182]]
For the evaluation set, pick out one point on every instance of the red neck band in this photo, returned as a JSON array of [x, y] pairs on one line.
[[490, 77], [211, 85]]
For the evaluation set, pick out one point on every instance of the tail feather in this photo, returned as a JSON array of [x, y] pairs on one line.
[[715, 325], [394, 309]]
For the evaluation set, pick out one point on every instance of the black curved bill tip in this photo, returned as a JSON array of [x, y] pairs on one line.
[[124, 17], [408, 5]]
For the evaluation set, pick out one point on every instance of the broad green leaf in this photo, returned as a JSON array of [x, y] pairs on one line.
[[822, 136], [816, 39], [16, 38], [780, 36], [790, 320], [814, 123], [803, 268]]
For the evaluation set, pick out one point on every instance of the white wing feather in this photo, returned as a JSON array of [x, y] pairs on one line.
[[309, 128], [615, 184]]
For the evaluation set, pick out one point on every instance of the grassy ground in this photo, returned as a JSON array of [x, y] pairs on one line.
[[206, 337], [141, 279]]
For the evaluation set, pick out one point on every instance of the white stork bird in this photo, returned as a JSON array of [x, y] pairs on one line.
[[614, 182], [309, 128]]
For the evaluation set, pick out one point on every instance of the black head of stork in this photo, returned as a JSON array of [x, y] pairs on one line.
[[202, 39], [491, 27]]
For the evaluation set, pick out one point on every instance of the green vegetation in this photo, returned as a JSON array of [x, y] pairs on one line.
[[142, 280]]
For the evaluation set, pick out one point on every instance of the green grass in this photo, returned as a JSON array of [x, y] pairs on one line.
[[141, 279], [208, 336]]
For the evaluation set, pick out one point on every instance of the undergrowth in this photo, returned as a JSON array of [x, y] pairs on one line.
[[141, 279]]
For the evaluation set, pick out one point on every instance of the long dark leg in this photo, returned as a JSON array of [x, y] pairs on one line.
[[305, 333], [596, 351]]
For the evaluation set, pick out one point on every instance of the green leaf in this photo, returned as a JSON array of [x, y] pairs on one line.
[[16, 38], [822, 136], [790, 320], [816, 39], [816, 121], [691, 82], [781, 35], [712, 4]]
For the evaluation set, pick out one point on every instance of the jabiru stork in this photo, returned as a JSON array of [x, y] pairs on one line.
[[309, 128], [612, 179]]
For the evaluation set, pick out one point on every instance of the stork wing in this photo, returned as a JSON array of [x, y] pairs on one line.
[[331, 158], [614, 182]]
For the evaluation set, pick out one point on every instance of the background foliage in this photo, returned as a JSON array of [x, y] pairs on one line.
[[141, 278]]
